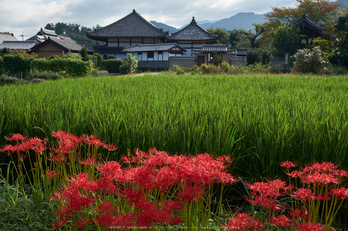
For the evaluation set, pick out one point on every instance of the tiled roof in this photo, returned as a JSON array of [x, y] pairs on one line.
[[153, 47], [304, 21], [215, 48], [192, 32], [6, 36], [48, 32], [131, 26], [67, 45], [238, 51], [18, 45]]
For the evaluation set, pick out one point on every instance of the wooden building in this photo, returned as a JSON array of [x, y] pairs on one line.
[[308, 31], [56, 46], [155, 55], [192, 37], [131, 30]]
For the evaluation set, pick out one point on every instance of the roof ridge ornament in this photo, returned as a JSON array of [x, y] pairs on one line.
[[193, 20]]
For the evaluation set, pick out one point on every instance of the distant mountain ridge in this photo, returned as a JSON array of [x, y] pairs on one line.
[[238, 21], [243, 20]]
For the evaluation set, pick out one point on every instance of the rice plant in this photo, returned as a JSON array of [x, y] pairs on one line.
[[257, 120]]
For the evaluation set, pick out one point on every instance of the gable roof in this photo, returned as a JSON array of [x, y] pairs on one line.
[[304, 24], [6, 36], [43, 34], [66, 45], [192, 32], [131, 26], [18, 45], [155, 47]]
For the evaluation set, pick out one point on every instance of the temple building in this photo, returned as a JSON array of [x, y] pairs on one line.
[[128, 31], [308, 31], [192, 45]]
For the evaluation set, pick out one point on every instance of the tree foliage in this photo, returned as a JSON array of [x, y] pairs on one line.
[[339, 55], [285, 40], [84, 54], [320, 12], [221, 33], [129, 64], [246, 38], [75, 31]]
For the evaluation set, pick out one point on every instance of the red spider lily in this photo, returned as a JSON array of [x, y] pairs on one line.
[[57, 158], [272, 188], [190, 193], [89, 161], [341, 193], [82, 222], [16, 137], [111, 170], [308, 226], [51, 174], [281, 221], [243, 222], [304, 194], [110, 147], [93, 141], [287, 164]]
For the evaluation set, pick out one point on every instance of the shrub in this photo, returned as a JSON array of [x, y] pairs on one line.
[[145, 69], [4, 79], [1, 66], [84, 54], [332, 70], [68, 67], [255, 68], [16, 64], [98, 59], [310, 61], [48, 75], [95, 72], [112, 66], [252, 57], [129, 64]]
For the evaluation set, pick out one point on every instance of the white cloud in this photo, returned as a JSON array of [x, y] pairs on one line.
[[28, 16]]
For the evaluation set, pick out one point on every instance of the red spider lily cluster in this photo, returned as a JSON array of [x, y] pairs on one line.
[[315, 194], [71, 155], [151, 189], [145, 190]]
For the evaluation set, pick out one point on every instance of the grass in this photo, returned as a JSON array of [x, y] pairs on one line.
[[257, 120]]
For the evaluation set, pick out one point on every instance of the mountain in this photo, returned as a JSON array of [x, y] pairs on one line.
[[238, 21], [164, 27]]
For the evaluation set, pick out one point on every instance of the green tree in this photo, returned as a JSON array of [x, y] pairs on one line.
[[285, 40], [340, 53], [84, 54], [129, 64], [49, 26], [221, 33]]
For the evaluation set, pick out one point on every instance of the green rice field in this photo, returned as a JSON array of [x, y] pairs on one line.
[[257, 120]]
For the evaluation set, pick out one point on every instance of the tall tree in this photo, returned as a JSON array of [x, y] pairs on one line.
[[285, 40], [221, 33], [321, 12]]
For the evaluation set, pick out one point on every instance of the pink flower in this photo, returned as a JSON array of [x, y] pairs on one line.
[[16, 137]]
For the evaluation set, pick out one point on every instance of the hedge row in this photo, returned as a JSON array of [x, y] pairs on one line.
[[67, 67], [20, 65], [111, 65]]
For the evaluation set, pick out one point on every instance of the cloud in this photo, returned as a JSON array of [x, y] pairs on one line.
[[28, 16]]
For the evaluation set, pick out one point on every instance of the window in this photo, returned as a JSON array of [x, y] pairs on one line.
[[150, 55]]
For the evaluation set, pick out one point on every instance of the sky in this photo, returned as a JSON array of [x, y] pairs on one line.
[[26, 17]]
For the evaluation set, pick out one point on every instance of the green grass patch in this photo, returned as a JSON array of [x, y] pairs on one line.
[[257, 120]]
